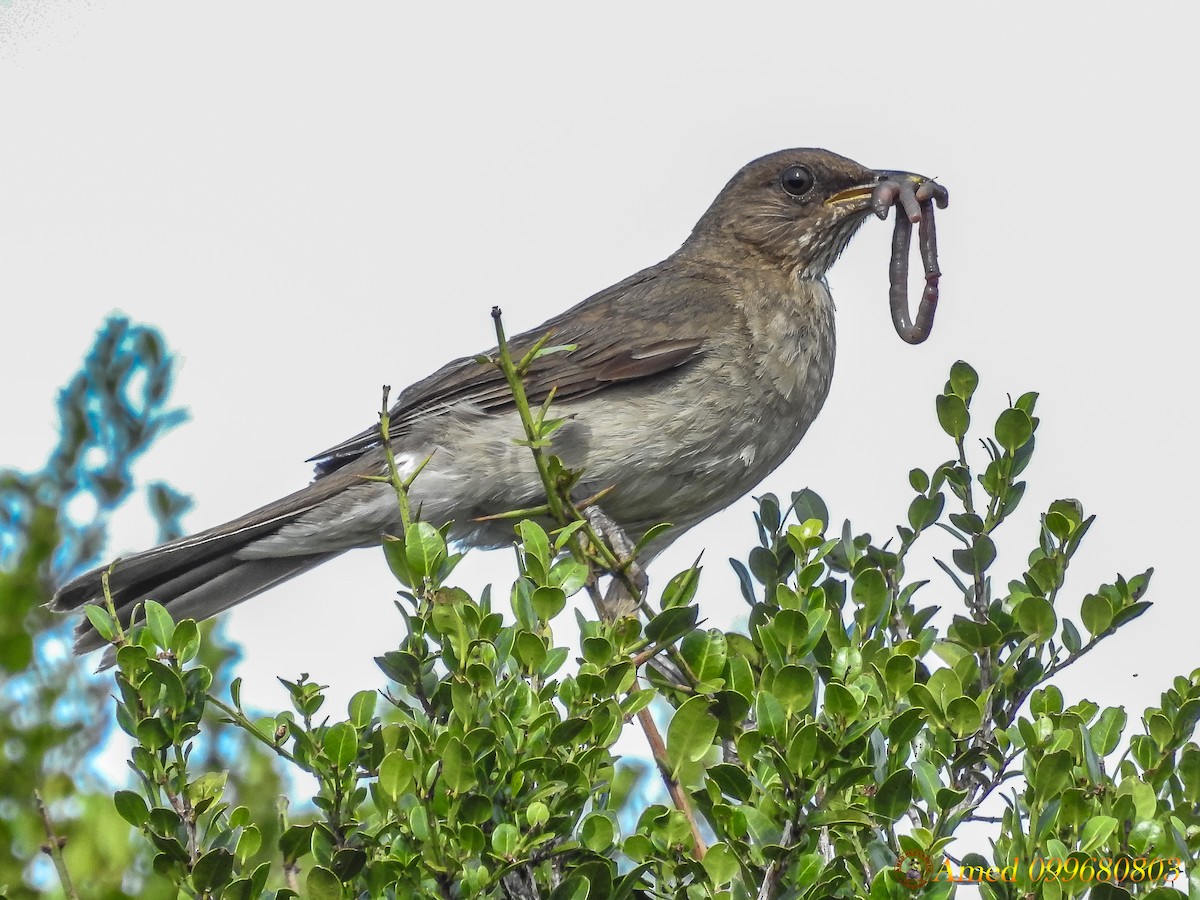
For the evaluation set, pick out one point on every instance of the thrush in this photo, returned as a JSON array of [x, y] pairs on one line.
[[690, 381]]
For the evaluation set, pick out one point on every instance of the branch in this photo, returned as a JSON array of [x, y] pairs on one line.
[[53, 848]]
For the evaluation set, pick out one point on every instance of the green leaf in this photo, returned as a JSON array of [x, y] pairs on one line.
[[132, 808], [568, 574], [770, 715], [158, 622], [899, 672], [296, 842], [397, 560], [341, 744], [213, 870], [573, 887], [705, 653], [208, 786], [1189, 773], [597, 832], [801, 749], [458, 766], [548, 602], [691, 733], [672, 624], [906, 725], [1014, 428], [790, 628], [964, 716], [362, 708], [151, 734], [953, 416], [794, 686], [1070, 637], [537, 814], [840, 701], [531, 649], [946, 686], [976, 559], [721, 863], [185, 642], [424, 549], [348, 862], [807, 504], [681, 588], [505, 839], [248, 843], [1128, 613], [174, 696], [963, 380], [1106, 733], [919, 480], [1052, 774], [322, 884], [894, 796], [1036, 618], [101, 621], [731, 780], [1097, 614], [870, 592], [1096, 831]]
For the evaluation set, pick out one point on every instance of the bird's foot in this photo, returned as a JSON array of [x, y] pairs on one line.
[[619, 599]]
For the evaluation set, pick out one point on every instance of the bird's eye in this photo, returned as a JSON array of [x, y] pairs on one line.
[[797, 180]]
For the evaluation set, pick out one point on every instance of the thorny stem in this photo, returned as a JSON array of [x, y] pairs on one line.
[[400, 484], [54, 844], [183, 806], [561, 509], [658, 749], [565, 513], [247, 726], [512, 374]]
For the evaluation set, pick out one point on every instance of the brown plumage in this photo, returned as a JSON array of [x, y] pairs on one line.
[[690, 381]]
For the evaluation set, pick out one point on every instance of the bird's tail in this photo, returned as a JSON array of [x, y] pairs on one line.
[[198, 576]]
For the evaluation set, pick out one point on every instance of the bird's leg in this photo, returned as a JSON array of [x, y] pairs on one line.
[[618, 599], [916, 201]]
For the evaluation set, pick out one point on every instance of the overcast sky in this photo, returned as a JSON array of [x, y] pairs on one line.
[[311, 200]]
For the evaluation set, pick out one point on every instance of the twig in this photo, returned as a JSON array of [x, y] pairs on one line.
[[770, 883], [53, 848], [565, 513], [400, 484], [239, 719], [678, 796], [658, 749]]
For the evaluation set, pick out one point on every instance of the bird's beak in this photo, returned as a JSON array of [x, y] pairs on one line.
[[860, 195]]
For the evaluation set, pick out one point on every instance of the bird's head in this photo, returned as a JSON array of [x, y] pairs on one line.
[[795, 209]]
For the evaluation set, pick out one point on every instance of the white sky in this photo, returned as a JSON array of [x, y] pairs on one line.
[[311, 203]]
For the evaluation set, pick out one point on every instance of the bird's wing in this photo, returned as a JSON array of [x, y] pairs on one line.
[[607, 351]]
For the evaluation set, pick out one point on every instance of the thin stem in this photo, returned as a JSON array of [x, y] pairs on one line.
[[54, 844], [512, 374], [566, 513], [658, 749], [183, 806], [678, 795], [400, 485], [246, 725]]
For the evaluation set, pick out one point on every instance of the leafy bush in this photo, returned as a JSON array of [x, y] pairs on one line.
[[835, 747], [53, 713]]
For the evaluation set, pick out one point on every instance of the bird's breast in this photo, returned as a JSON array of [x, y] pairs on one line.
[[701, 438]]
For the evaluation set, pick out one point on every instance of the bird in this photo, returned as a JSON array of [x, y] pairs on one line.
[[689, 382]]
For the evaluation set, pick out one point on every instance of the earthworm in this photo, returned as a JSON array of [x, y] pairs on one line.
[[916, 198]]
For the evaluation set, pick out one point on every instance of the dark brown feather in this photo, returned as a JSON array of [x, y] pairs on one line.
[[604, 353]]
